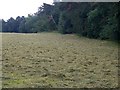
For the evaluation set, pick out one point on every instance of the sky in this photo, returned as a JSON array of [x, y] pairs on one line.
[[14, 8]]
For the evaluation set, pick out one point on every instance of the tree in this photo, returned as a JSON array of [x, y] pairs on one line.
[[4, 26], [94, 20], [11, 25], [22, 25]]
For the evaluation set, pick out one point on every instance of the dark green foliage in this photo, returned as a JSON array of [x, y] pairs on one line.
[[4, 26], [93, 23], [93, 20], [1, 25], [22, 26], [11, 25], [65, 25], [110, 29]]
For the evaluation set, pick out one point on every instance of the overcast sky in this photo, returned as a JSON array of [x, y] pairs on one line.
[[14, 8]]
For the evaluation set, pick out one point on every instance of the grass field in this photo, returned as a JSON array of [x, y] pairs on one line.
[[55, 60]]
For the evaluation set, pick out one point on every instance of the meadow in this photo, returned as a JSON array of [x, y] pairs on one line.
[[53, 60]]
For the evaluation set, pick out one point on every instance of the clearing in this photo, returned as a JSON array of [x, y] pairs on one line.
[[56, 60]]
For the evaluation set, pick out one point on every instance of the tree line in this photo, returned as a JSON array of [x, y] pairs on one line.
[[93, 20]]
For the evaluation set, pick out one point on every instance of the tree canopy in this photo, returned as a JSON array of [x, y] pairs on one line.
[[93, 20]]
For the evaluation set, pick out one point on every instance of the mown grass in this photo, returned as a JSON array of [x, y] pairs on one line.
[[55, 60]]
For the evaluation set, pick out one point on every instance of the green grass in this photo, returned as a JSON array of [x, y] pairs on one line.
[[56, 60]]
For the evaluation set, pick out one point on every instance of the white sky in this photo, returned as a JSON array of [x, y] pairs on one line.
[[14, 8]]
